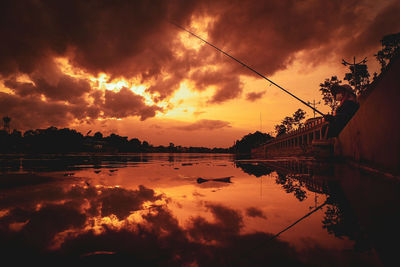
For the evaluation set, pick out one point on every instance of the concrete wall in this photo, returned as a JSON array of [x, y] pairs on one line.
[[372, 136]]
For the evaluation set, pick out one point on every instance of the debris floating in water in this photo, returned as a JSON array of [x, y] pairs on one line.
[[223, 180]]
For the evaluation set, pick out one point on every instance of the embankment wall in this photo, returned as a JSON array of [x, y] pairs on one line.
[[372, 137]]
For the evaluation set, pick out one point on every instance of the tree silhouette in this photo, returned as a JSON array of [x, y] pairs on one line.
[[390, 48], [291, 185], [6, 119], [250, 141], [288, 123], [134, 145], [327, 96], [358, 76], [298, 117], [98, 136], [257, 170], [280, 129], [53, 140], [6, 123]]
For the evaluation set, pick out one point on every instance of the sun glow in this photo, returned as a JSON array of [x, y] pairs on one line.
[[185, 101], [63, 63], [6, 90], [104, 82], [198, 26], [24, 78]]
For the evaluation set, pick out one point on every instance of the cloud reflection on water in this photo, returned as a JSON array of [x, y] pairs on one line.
[[81, 220], [142, 220]]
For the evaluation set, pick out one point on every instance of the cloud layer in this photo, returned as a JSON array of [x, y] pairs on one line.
[[126, 39], [205, 125]]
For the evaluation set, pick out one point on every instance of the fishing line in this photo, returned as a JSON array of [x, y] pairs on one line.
[[253, 70]]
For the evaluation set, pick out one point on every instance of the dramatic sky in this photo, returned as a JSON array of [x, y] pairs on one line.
[[120, 66]]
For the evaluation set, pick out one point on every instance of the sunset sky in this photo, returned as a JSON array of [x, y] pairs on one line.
[[121, 67]]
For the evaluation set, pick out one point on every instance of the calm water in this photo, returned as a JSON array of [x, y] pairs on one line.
[[196, 210]]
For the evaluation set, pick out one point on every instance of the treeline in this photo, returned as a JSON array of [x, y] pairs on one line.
[[53, 140], [250, 141]]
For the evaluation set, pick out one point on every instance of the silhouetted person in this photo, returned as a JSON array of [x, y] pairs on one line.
[[346, 110]]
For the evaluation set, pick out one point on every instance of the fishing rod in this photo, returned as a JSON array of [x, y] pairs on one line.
[[247, 253], [299, 220], [244, 65]]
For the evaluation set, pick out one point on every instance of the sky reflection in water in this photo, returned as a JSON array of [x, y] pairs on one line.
[[189, 209]]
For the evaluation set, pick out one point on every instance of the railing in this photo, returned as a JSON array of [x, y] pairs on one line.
[[299, 139], [314, 130], [302, 172]]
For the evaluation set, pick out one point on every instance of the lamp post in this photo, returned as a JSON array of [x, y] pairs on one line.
[[314, 104], [353, 68]]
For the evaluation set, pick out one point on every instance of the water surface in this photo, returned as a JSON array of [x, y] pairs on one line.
[[196, 210]]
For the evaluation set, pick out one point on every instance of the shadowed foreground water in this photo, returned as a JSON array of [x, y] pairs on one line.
[[195, 210]]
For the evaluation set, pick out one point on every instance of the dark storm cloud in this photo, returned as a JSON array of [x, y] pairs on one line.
[[119, 38], [201, 229], [225, 214], [103, 202], [102, 34], [253, 96], [48, 80], [386, 22], [121, 202], [126, 103], [267, 34], [129, 38], [205, 125], [41, 220], [228, 86], [163, 220], [57, 218], [64, 98], [255, 212], [31, 111], [132, 39], [28, 110], [66, 215], [66, 88]]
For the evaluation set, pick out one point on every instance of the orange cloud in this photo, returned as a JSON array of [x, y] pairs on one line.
[[126, 103], [253, 96], [131, 40], [205, 125]]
